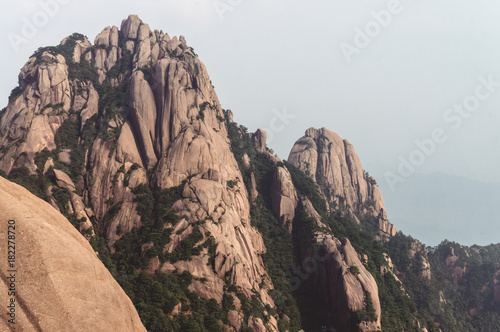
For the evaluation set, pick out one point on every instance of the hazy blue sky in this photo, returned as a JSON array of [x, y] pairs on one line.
[[289, 57]]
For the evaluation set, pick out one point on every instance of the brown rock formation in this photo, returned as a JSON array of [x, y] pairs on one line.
[[425, 266], [259, 140], [456, 272], [284, 197], [333, 164], [31, 118], [169, 131], [452, 258], [61, 285]]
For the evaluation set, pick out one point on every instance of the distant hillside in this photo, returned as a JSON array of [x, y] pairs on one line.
[[434, 207]]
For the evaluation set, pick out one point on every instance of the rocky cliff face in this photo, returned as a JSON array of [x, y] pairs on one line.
[[127, 139], [334, 165], [60, 283], [144, 112], [30, 122], [338, 273]]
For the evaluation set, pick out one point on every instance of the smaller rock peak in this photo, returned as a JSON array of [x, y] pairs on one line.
[[107, 37], [143, 32], [259, 140], [230, 116], [103, 37], [318, 132], [312, 132], [79, 38], [130, 27], [324, 133]]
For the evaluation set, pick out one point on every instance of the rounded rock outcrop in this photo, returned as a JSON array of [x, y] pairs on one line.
[[61, 285]]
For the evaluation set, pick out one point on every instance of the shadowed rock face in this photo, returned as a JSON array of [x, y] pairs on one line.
[[61, 285], [344, 289], [341, 288], [334, 165]]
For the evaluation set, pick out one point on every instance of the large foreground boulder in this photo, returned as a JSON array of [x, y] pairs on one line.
[[60, 283]]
